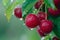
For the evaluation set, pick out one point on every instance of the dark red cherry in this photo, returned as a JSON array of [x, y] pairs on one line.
[[57, 3], [54, 12], [55, 38], [31, 21], [37, 5], [18, 12], [41, 15], [46, 26], [41, 33]]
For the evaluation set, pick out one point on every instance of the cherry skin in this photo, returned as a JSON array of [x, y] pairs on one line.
[[37, 5], [54, 12], [41, 33], [57, 3], [41, 15], [31, 21], [18, 12], [55, 38], [46, 26]]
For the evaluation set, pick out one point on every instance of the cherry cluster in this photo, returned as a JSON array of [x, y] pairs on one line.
[[39, 20]]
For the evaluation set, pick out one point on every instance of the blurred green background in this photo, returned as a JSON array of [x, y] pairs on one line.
[[15, 29]]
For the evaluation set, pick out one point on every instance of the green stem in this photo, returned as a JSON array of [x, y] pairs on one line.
[[40, 7], [47, 37], [46, 11]]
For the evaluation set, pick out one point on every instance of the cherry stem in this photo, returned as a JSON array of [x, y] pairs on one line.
[[40, 7], [38, 11], [46, 11]]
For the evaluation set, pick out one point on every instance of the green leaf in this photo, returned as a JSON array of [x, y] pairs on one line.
[[10, 8], [33, 35], [48, 37], [26, 13], [5, 2], [20, 1], [57, 27], [50, 3], [56, 21], [28, 6]]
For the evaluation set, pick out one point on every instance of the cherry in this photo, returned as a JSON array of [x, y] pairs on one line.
[[46, 26], [54, 12], [41, 15], [37, 5], [55, 38], [57, 3], [18, 12], [41, 33], [31, 21]]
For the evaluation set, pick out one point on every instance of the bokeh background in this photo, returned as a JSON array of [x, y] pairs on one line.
[[15, 29]]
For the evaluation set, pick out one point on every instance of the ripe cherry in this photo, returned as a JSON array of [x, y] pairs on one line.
[[31, 21], [55, 38], [41, 15], [46, 26], [18, 12], [57, 3], [37, 5], [54, 12], [41, 33]]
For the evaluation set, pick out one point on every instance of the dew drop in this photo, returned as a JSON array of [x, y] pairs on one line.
[[42, 38], [30, 29], [21, 19], [12, 0], [13, 13]]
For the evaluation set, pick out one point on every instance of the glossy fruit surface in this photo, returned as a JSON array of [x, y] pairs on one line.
[[18, 12], [46, 26], [31, 20], [41, 16]]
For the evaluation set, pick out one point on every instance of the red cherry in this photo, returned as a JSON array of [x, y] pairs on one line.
[[18, 12], [41, 33], [31, 21], [46, 26], [57, 3], [55, 38], [41, 16], [54, 12], [37, 5]]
